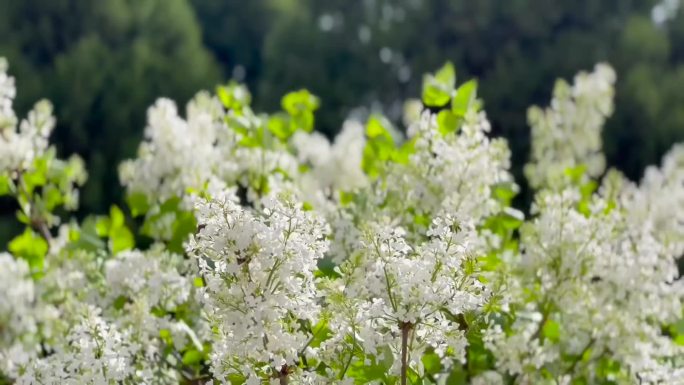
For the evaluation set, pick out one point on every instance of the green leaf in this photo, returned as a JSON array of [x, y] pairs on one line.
[[377, 128], [6, 185], [87, 236], [102, 226], [504, 222], [138, 204], [234, 96], [364, 374], [464, 98], [511, 218], [431, 363], [505, 192], [434, 95], [31, 247], [37, 176], [165, 335], [677, 328], [576, 173], [299, 101], [326, 268], [303, 120], [446, 75], [447, 122], [438, 88], [192, 357], [52, 197], [608, 368], [422, 220], [158, 311], [379, 145], [236, 379], [34, 179], [120, 239], [679, 340], [479, 358], [346, 197], [114, 228], [183, 225], [677, 332], [120, 302], [319, 333], [279, 126], [116, 216], [402, 155], [300, 105], [458, 376], [249, 142], [551, 331]]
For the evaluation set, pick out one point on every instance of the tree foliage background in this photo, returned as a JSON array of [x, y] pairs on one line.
[[103, 62]]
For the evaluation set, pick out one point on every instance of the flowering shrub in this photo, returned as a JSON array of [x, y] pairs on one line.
[[253, 250]]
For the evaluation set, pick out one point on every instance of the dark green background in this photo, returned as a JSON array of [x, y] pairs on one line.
[[102, 63]]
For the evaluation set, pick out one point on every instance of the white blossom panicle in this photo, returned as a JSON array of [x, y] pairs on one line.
[[659, 200], [19, 146], [259, 286], [598, 280], [153, 276], [389, 285], [18, 315], [177, 154], [93, 352], [8, 91], [335, 166], [423, 278], [140, 285], [181, 156], [568, 133], [106, 320], [453, 173]]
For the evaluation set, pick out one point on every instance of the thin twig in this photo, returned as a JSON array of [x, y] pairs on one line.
[[44, 231]]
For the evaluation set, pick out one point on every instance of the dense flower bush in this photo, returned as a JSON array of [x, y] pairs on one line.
[[253, 250]]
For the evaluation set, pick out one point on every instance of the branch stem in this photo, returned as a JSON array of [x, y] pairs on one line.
[[283, 375], [406, 328]]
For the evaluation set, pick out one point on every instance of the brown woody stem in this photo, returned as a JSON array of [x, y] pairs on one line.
[[283, 375], [406, 328]]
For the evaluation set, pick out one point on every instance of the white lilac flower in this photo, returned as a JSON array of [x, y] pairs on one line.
[[336, 165], [19, 146], [93, 352], [568, 133], [19, 315], [597, 279], [259, 286], [452, 173], [178, 154], [388, 285]]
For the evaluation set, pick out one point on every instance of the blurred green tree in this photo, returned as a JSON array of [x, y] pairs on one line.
[[234, 31], [102, 63], [357, 53]]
